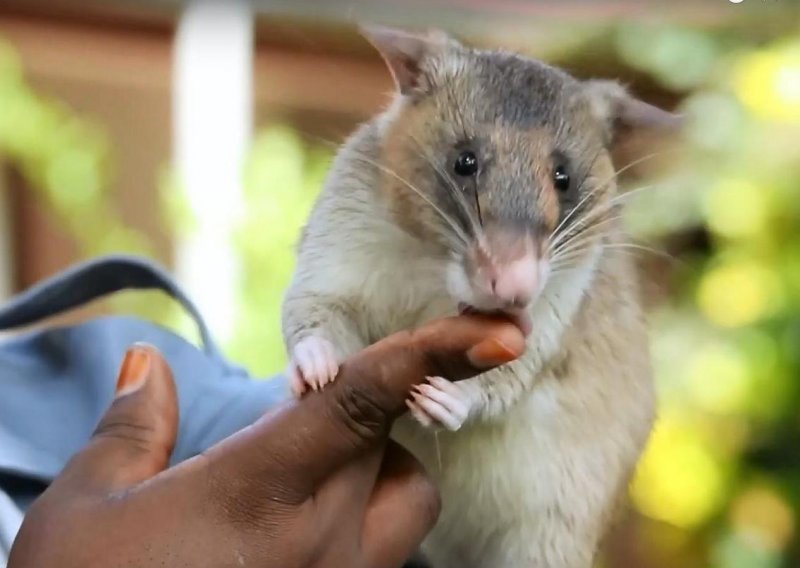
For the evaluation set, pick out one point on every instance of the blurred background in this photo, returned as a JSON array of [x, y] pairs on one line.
[[199, 134]]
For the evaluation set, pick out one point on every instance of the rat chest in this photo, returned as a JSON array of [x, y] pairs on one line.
[[397, 291], [403, 301]]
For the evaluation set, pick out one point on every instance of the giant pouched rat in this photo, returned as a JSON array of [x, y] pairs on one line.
[[488, 185]]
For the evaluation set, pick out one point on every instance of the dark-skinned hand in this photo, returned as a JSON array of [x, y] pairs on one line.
[[314, 483]]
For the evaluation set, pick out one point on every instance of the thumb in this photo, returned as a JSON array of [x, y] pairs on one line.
[[135, 438]]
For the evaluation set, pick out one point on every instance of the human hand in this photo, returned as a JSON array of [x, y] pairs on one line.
[[313, 483]]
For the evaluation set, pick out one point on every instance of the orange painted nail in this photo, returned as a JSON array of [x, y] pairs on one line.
[[490, 352], [133, 371]]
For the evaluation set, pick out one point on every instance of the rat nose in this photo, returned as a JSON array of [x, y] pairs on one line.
[[514, 284]]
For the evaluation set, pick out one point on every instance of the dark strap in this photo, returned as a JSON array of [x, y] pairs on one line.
[[87, 281]]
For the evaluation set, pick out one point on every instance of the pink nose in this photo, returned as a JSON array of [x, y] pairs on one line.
[[515, 283]]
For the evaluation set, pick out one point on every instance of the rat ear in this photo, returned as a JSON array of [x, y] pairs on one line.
[[622, 113], [404, 52]]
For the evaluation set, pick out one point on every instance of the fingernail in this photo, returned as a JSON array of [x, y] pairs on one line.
[[134, 370], [490, 353]]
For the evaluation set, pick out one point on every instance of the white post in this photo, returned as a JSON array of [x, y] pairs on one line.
[[212, 110]]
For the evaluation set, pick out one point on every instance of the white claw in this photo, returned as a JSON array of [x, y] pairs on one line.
[[440, 403], [313, 364]]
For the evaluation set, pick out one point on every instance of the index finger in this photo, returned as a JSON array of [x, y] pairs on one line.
[[302, 443]]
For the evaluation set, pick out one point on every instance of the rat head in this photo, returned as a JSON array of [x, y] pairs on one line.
[[500, 161]]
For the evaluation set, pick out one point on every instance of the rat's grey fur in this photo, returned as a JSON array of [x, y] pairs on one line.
[[534, 476]]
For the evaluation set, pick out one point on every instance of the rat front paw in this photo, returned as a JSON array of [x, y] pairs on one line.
[[313, 364], [439, 403]]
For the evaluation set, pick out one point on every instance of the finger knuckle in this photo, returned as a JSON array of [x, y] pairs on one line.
[[362, 409], [137, 436]]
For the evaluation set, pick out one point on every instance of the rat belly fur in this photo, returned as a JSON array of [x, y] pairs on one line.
[[533, 479], [537, 484], [540, 485]]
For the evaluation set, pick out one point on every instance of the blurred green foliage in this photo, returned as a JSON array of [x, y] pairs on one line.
[[68, 160], [723, 466], [719, 485], [282, 178]]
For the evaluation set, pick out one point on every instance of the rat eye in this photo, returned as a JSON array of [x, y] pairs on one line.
[[466, 164], [561, 178]]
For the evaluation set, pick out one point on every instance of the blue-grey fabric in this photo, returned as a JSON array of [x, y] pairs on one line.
[[55, 383]]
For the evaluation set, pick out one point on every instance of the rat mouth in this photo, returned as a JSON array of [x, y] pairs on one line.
[[519, 317]]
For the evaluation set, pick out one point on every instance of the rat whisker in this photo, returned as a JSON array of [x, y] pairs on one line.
[[582, 225], [604, 184], [476, 226], [585, 236], [561, 232], [612, 204], [319, 139], [452, 186], [478, 203], [592, 193], [438, 449], [578, 246], [462, 238], [560, 268], [643, 248], [453, 225], [570, 214], [586, 225], [621, 247], [623, 197], [465, 136], [638, 161], [573, 258]]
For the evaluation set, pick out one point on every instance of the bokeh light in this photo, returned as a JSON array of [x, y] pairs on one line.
[[719, 380], [737, 293], [678, 481], [768, 82], [738, 208], [762, 516]]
